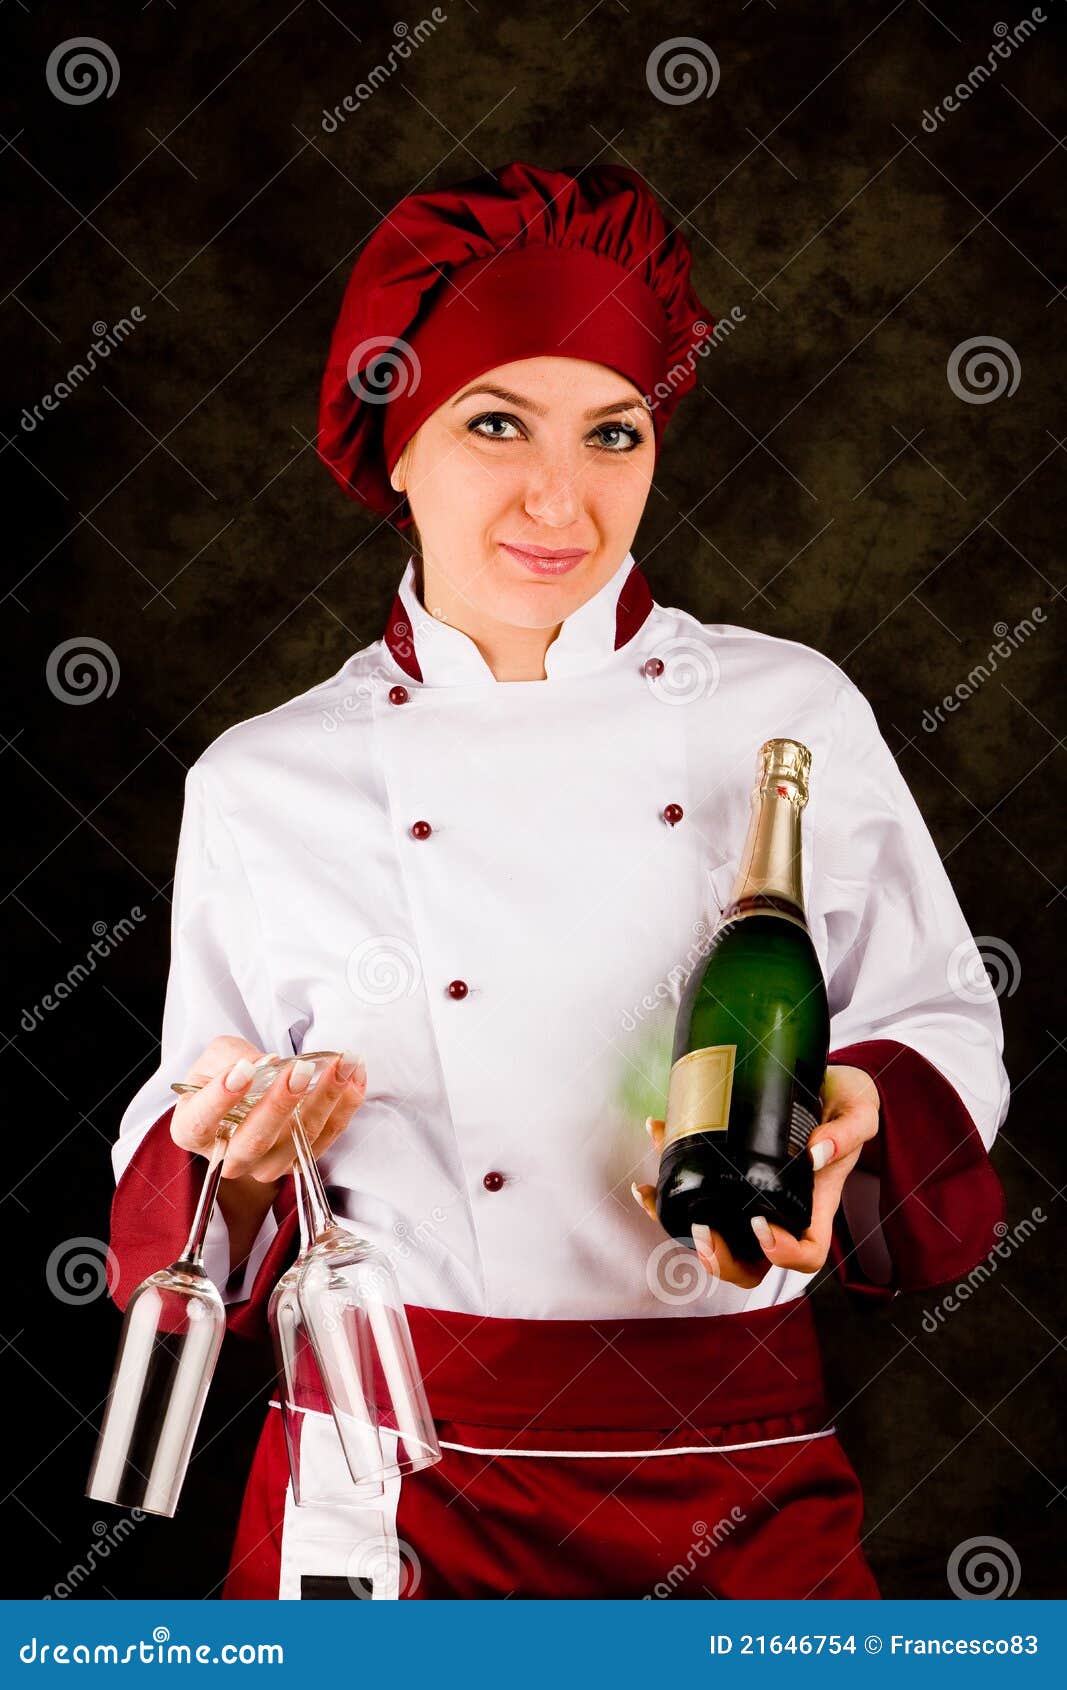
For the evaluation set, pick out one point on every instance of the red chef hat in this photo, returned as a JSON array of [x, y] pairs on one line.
[[519, 262]]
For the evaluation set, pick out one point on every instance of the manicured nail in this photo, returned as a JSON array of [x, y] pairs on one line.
[[239, 1075], [822, 1153], [702, 1238], [347, 1064], [761, 1228], [299, 1075], [638, 1199], [648, 1125]]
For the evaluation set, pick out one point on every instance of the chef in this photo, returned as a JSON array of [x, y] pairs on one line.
[[480, 861]]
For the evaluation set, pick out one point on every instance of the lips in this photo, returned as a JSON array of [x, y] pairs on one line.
[[542, 560]]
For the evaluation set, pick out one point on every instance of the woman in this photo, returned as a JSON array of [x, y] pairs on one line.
[[482, 857]]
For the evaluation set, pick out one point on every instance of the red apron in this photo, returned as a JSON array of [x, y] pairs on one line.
[[630, 1458], [687, 1457]]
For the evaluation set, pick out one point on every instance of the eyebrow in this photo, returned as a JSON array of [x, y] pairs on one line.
[[626, 404]]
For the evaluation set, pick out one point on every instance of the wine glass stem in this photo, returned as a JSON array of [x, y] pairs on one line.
[[319, 1214], [194, 1249]]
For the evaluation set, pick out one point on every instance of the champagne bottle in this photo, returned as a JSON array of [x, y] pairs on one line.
[[751, 1038]]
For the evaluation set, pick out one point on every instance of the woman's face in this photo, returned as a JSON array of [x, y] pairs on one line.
[[540, 456]]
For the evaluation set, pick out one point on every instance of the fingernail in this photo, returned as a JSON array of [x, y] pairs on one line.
[[822, 1153], [761, 1228], [702, 1236], [347, 1064], [638, 1199], [648, 1125], [299, 1075], [239, 1075]]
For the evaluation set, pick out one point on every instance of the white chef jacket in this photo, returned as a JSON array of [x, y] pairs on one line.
[[307, 916]]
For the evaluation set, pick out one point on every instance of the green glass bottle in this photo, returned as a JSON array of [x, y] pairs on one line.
[[751, 1038]]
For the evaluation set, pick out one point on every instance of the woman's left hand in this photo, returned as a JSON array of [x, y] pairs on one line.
[[850, 1116]]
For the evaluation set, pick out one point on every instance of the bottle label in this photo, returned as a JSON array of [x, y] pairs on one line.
[[801, 1126], [698, 1098]]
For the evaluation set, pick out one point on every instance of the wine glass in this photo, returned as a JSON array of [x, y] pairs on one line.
[[171, 1335], [353, 1314]]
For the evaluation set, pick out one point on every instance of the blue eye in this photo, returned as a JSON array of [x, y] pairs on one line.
[[608, 437], [631, 436], [476, 425]]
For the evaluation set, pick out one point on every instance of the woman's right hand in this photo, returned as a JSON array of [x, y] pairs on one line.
[[261, 1150]]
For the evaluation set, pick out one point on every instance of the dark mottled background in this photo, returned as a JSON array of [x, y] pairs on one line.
[[832, 480]]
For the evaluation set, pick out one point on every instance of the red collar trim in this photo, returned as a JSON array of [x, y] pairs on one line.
[[632, 608]]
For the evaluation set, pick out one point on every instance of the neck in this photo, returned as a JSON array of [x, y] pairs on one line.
[[513, 654]]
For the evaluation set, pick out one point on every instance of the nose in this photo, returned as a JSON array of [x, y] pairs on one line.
[[553, 492]]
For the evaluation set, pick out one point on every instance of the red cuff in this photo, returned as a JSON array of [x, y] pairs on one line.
[[939, 1198], [151, 1214]]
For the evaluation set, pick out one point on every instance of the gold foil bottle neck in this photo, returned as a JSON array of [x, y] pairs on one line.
[[785, 761]]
